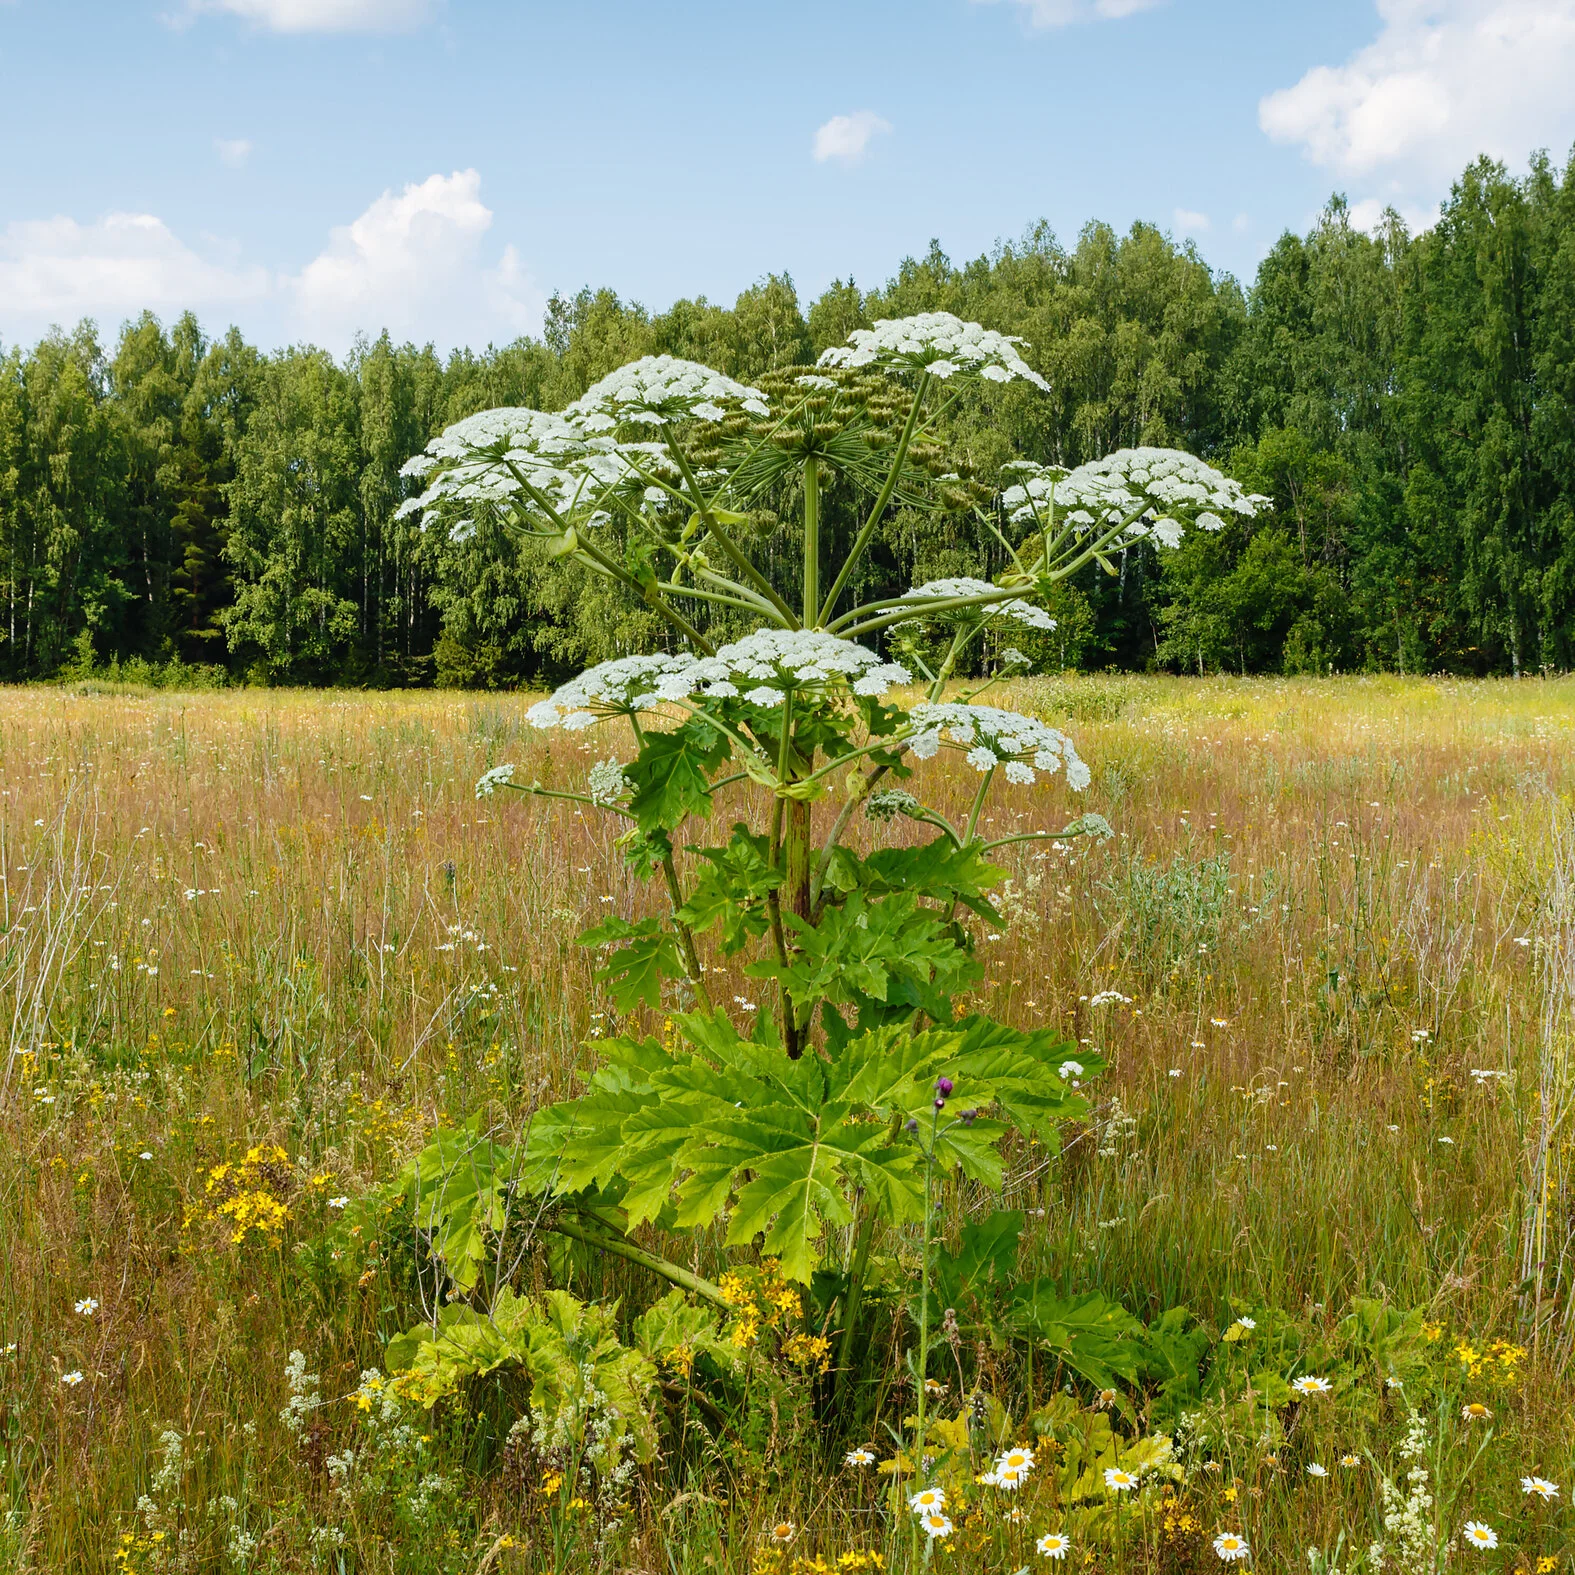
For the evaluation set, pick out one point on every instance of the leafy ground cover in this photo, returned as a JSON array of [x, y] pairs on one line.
[[1292, 1288]]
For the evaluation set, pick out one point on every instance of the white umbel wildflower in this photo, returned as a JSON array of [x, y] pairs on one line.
[[606, 783], [992, 737], [1160, 490], [489, 782], [1020, 611], [762, 668], [658, 389], [489, 458], [617, 688], [937, 343]]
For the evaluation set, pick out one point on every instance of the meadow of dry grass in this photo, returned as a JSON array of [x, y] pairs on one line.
[[262, 918]]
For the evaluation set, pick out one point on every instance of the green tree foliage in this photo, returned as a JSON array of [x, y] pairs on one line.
[[1408, 402]]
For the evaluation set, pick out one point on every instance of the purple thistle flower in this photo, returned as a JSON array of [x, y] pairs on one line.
[[943, 1086]]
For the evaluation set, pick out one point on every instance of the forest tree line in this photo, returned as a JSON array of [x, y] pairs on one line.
[[1408, 401]]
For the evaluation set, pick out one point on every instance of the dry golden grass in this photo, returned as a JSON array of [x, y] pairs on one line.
[[263, 917]]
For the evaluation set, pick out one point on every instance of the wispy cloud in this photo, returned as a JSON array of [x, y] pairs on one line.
[[57, 270], [1190, 222], [1062, 13], [322, 16], [846, 138], [414, 262], [232, 151]]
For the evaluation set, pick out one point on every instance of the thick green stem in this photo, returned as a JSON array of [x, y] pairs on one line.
[[978, 805], [844, 815], [811, 542], [686, 938], [751, 574], [959, 640], [854, 1298], [924, 1295], [795, 891], [862, 540], [647, 1260]]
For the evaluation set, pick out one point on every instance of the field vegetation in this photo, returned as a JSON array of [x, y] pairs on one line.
[[262, 949]]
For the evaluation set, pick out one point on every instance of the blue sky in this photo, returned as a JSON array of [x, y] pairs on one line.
[[310, 168]]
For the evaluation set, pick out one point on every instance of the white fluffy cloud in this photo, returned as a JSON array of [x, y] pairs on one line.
[[57, 270], [323, 16], [414, 262], [1443, 81], [1060, 13], [846, 138], [1190, 222]]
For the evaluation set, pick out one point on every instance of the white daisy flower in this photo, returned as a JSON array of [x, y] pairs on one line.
[[1119, 1481], [87, 1306], [1477, 1535], [859, 1457], [1539, 1487], [935, 1525], [926, 1499], [1054, 1545], [1308, 1385], [1230, 1547]]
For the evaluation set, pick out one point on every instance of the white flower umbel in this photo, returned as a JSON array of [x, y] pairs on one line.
[[606, 783], [658, 389], [617, 688], [761, 669], [489, 782], [992, 737], [497, 456], [943, 591], [937, 343], [1164, 488]]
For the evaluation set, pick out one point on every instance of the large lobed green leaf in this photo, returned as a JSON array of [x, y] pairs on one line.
[[718, 1124]]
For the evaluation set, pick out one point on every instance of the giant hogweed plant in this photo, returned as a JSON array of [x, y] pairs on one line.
[[850, 1093]]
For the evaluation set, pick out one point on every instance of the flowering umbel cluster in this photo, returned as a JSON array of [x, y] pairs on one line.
[[761, 669], [1148, 491], [939, 344]]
